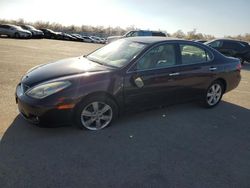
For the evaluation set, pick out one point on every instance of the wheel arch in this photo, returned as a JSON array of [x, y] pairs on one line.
[[223, 81], [98, 93]]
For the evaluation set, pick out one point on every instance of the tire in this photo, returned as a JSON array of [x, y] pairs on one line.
[[17, 35], [213, 94], [96, 113]]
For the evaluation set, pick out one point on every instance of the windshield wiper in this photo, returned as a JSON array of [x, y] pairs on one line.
[[94, 60], [104, 64]]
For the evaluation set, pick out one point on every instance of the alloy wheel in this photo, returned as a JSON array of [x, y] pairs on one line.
[[96, 115], [214, 94]]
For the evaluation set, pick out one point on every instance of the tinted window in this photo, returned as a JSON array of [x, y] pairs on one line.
[[136, 33], [131, 33], [5, 26], [146, 33], [232, 45], [159, 57], [192, 54], [160, 34], [117, 54], [216, 44]]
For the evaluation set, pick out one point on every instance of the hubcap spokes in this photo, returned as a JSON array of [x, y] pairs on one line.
[[214, 94], [96, 115]]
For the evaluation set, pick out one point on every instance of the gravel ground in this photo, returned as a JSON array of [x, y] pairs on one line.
[[177, 146], [18, 56]]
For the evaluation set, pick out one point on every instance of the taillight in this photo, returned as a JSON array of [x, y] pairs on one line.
[[238, 67]]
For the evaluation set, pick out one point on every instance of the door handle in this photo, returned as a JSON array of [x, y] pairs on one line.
[[174, 74], [213, 68]]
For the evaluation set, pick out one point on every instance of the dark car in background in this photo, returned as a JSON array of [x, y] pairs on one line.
[[88, 39], [233, 48], [137, 33], [36, 33], [130, 73], [66, 36], [14, 31], [78, 37], [50, 34]]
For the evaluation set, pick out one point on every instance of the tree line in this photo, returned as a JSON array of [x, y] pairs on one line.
[[110, 31]]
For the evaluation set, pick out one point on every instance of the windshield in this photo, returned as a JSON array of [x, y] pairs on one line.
[[29, 27], [117, 54], [15, 26]]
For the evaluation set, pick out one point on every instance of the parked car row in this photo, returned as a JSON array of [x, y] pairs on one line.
[[28, 31], [228, 47]]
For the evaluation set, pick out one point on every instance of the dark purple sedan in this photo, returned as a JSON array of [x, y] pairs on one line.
[[130, 73]]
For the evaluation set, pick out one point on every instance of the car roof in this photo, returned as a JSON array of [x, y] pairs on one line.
[[227, 39], [11, 25], [151, 40]]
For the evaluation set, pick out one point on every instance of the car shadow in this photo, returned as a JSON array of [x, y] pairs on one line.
[[176, 146]]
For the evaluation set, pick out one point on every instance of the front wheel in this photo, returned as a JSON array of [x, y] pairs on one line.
[[213, 94], [96, 113], [17, 35]]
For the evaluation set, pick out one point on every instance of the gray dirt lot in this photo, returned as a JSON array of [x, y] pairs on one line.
[[177, 146]]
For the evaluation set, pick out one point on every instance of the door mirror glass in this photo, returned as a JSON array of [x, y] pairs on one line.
[[139, 82]]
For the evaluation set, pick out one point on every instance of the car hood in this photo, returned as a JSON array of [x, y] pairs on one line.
[[61, 68], [36, 30]]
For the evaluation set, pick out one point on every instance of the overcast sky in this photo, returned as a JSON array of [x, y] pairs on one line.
[[216, 17]]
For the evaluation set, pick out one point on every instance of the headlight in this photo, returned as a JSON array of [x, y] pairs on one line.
[[44, 90]]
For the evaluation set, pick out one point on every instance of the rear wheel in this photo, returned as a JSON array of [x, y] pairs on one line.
[[213, 94], [96, 113]]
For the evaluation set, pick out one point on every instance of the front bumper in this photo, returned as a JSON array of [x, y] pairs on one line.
[[41, 113]]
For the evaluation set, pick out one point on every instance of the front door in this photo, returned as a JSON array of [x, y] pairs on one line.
[[152, 79]]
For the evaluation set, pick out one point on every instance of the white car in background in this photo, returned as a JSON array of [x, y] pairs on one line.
[[14, 31], [137, 33]]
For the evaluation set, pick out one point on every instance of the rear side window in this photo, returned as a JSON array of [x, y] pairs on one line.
[[5, 26], [146, 33], [232, 45], [192, 54], [158, 34], [216, 44]]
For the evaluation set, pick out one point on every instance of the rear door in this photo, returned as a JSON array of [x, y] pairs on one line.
[[196, 71], [152, 80]]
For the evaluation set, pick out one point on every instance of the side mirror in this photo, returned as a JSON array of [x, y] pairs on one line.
[[139, 82]]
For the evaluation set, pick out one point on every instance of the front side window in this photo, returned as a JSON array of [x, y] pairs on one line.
[[192, 54], [118, 53], [129, 34], [162, 56]]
